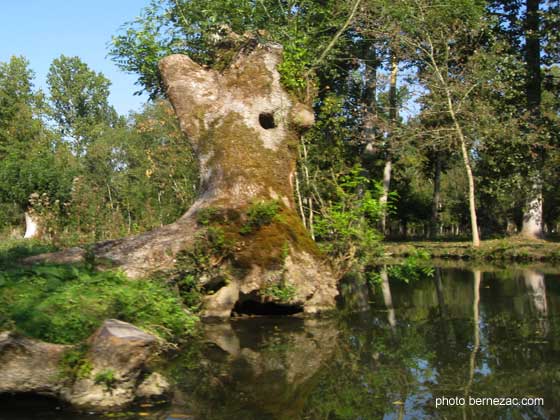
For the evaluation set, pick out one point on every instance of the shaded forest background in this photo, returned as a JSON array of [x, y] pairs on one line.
[[434, 119]]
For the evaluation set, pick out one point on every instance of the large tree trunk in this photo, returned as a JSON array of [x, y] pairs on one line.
[[533, 214], [241, 124]]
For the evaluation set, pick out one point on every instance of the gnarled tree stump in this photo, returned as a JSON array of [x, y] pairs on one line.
[[242, 126]]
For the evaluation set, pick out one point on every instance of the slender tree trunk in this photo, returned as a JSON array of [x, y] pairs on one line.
[[533, 214], [369, 100], [462, 141], [470, 177], [435, 225], [533, 57], [393, 114], [385, 195]]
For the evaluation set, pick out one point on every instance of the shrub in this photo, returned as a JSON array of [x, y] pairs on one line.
[[283, 292], [65, 304], [260, 214], [106, 378]]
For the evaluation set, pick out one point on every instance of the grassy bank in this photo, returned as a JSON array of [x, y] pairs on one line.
[[65, 304], [508, 249]]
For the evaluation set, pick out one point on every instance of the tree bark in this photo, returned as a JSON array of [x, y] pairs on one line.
[[393, 113], [435, 223], [32, 226], [533, 214], [243, 127]]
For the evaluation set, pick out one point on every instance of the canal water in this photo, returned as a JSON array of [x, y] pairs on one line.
[[463, 343]]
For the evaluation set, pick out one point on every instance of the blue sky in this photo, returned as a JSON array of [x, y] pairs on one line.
[[42, 30]]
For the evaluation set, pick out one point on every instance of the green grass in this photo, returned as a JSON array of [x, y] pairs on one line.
[[12, 250], [65, 304], [514, 248]]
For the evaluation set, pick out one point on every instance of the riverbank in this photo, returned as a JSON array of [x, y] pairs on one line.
[[514, 249]]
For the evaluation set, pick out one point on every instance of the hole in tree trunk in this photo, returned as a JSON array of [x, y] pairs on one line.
[[251, 305], [266, 120]]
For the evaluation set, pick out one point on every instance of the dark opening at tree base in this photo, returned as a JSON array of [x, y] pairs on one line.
[[251, 307]]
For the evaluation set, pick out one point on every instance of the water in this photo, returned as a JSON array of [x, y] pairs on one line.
[[390, 353]]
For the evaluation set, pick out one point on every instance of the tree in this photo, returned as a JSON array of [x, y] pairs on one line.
[[309, 30], [18, 103], [528, 29], [435, 36], [241, 239], [79, 100], [28, 164]]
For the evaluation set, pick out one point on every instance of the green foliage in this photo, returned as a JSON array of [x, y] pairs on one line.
[[132, 179], [282, 291], [200, 28], [347, 229], [74, 364], [414, 267], [296, 63], [209, 215], [65, 304], [79, 101], [106, 378], [202, 261], [260, 214], [11, 251]]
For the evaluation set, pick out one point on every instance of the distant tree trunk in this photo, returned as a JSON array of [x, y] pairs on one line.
[[242, 126], [435, 224], [393, 114], [385, 195], [32, 226], [369, 99], [533, 57], [470, 177], [533, 214], [451, 109]]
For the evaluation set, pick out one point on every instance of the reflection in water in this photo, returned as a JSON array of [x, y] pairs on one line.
[[259, 368], [461, 333], [477, 277], [387, 298], [534, 281]]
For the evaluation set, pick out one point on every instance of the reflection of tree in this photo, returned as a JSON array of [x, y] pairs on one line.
[[443, 310], [373, 373], [476, 334], [387, 297], [454, 338], [354, 293], [536, 289], [259, 367]]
